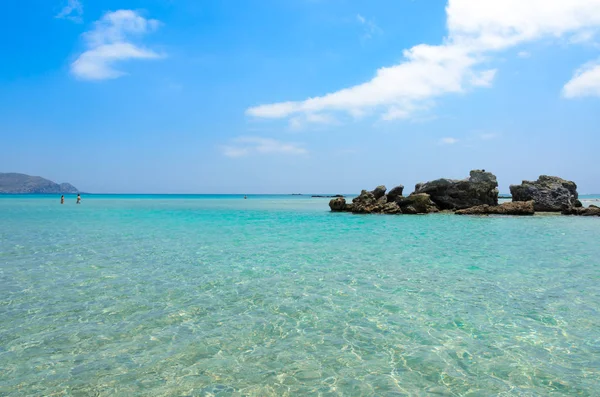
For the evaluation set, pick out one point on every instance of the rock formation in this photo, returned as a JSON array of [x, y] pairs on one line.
[[476, 195], [514, 208], [450, 194], [550, 193], [367, 203]]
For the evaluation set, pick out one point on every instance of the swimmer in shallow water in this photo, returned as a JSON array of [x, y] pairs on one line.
[[62, 199], [78, 198]]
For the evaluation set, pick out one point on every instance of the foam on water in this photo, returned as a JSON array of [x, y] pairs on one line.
[[277, 296]]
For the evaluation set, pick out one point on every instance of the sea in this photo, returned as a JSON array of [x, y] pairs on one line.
[[175, 295]]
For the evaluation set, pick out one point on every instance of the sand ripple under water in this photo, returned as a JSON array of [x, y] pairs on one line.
[[276, 296]]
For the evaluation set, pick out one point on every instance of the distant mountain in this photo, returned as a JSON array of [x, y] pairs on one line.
[[22, 184]]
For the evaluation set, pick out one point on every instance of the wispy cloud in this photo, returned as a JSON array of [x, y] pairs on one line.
[[483, 78], [245, 146], [523, 54], [73, 11], [448, 141], [585, 82], [110, 42], [488, 136], [477, 30], [346, 152], [302, 121], [369, 27]]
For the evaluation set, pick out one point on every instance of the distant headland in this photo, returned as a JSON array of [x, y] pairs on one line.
[[14, 183]]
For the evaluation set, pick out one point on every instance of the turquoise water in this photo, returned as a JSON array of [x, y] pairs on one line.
[[275, 296]]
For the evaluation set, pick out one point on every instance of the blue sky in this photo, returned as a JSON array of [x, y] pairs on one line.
[[269, 96]]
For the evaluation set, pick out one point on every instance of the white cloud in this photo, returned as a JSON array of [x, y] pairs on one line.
[[245, 146], [301, 121], [477, 29], [448, 141], [346, 152], [583, 37], [109, 42], [488, 136], [73, 11], [429, 72], [484, 78], [495, 25], [524, 54], [370, 28], [585, 82]]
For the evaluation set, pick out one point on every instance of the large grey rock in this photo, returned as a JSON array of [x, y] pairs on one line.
[[450, 194], [419, 203], [514, 208], [395, 193], [550, 193]]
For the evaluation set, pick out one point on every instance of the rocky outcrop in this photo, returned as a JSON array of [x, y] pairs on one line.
[[367, 203], [514, 208], [395, 193], [449, 194], [476, 195], [592, 210], [550, 193], [419, 203]]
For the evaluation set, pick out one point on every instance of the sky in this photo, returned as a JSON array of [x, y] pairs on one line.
[[298, 96]]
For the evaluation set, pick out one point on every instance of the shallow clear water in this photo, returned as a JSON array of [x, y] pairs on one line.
[[164, 296]]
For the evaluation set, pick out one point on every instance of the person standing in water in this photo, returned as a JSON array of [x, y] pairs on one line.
[[78, 198], [62, 199]]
